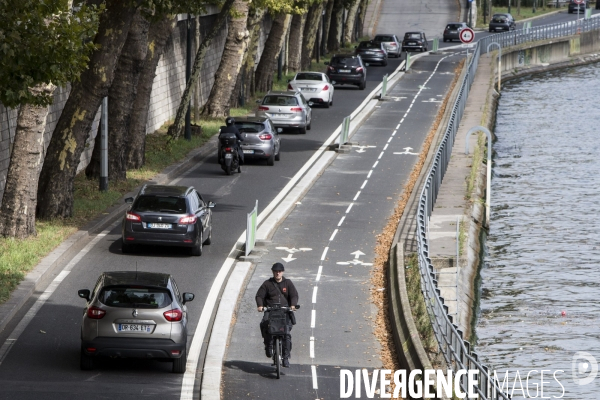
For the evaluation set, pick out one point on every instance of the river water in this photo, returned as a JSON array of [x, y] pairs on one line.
[[540, 290]]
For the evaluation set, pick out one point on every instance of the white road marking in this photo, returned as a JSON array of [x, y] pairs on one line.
[[333, 235], [380, 155], [390, 139], [319, 273], [314, 376], [288, 258], [356, 197], [374, 165], [312, 347], [349, 208], [314, 298], [398, 126], [385, 147], [364, 184], [369, 174], [313, 316], [341, 221], [324, 253], [293, 249]]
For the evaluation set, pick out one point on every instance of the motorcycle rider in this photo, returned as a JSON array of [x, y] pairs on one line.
[[276, 290], [231, 128]]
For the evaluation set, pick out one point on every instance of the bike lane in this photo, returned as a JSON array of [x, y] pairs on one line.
[[327, 244]]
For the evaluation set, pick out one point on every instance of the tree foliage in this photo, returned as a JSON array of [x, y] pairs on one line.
[[41, 41]]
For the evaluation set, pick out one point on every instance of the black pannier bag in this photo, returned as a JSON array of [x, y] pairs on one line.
[[228, 139], [278, 323]]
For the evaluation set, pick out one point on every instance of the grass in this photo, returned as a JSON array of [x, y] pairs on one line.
[[417, 305]]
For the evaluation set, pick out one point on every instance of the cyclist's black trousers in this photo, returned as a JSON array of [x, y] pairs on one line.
[[267, 339]]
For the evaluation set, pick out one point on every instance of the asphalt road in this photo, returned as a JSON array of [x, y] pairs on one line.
[[43, 361]]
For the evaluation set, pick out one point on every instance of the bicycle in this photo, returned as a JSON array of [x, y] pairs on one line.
[[278, 328]]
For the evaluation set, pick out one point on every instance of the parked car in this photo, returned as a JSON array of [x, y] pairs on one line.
[[347, 68], [372, 52], [574, 7], [315, 86], [414, 41], [503, 22], [135, 314], [261, 139], [452, 31], [167, 216], [286, 110], [391, 43]]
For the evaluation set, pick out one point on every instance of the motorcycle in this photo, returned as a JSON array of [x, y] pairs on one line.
[[229, 157]]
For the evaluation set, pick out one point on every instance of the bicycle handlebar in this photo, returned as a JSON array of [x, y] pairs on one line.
[[270, 308]]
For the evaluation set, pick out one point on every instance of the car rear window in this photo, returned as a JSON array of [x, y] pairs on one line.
[[453, 26], [250, 127], [160, 204], [135, 296], [308, 77], [384, 38], [501, 18], [345, 61], [412, 36], [369, 45], [280, 101]]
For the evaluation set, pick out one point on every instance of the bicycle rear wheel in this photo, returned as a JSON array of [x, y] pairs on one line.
[[277, 356]]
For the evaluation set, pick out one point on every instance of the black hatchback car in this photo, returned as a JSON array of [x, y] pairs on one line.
[[347, 68], [167, 216], [372, 52], [414, 41]]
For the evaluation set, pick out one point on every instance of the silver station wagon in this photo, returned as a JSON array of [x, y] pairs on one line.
[[286, 110], [135, 314]]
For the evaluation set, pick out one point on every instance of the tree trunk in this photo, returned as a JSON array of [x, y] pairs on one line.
[[245, 82], [264, 72], [17, 213], [361, 17], [198, 86], [311, 28], [350, 22], [217, 105], [158, 34], [328, 16], [176, 128], [55, 192], [335, 29], [121, 97], [296, 38]]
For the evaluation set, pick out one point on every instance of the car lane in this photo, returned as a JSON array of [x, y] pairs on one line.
[[43, 362]]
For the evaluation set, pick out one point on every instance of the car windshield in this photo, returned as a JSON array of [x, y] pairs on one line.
[[353, 62], [369, 45], [453, 26], [384, 38], [307, 76], [412, 36], [135, 296], [250, 127], [280, 101], [499, 18], [160, 204]]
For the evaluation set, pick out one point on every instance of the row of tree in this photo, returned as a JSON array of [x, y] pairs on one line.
[[112, 48]]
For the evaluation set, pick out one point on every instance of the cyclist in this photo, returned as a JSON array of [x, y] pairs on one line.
[[276, 290]]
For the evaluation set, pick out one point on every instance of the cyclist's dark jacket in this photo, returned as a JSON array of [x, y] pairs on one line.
[[232, 129], [271, 292]]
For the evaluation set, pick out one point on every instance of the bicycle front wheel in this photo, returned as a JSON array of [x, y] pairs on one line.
[[277, 356]]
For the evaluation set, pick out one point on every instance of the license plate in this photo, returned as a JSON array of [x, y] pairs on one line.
[[135, 328], [159, 226], [248, 151], [369, 52], [411, 43], [344, 70], [228, 155]]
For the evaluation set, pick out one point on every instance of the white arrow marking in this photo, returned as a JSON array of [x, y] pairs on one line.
[[407, 151], [361, 149], [432, 101], [288, 258], [423, 87], [353, 262], [357, 253], [293, 249]]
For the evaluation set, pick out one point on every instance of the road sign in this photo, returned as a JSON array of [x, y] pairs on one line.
[[467, 35]]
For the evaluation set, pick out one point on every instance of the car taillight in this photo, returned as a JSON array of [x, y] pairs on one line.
[[290, 86], [263, 108], [95, 312], [173, 315], [326, 87], [359, 69], [380, 51], [392, 44], [265, 136], [133, 217], [296, 109], [228, 149], [187, 220]]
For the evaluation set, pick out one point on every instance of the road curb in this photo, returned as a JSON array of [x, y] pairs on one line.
[[48, 267]]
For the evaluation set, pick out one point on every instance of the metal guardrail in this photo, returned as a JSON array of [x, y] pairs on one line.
[[458, 352]]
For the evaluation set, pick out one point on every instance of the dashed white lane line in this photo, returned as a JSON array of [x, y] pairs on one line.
[[341, 221], [376, 162], [314, 297], [314, 376], [312, 347], [319, 273], [313, 317], [364, 184], [385, 147], [334, 233], [324, 253], [390, 139], [369, 174], [380, 155], [349, 208], [398, 126], [354, 199]]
